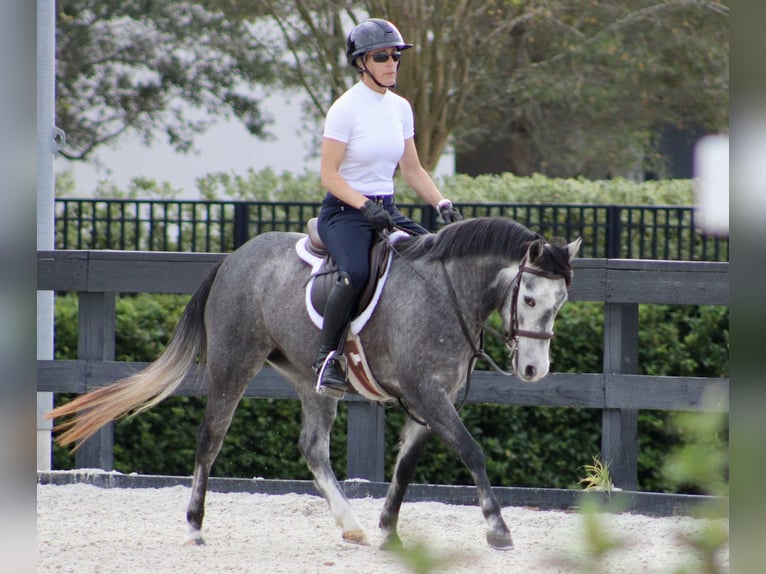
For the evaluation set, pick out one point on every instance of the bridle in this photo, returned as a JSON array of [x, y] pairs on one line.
[[513, 334], [511, 337]]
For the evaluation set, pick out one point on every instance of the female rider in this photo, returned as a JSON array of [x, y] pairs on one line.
[[369, 130]]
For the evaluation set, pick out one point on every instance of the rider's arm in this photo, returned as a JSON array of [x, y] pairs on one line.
[[416, 175], [329, 173]]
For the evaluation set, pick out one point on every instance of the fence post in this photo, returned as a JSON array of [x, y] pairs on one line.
[[613, 228], [95, 341], [619, 438], [366, 442], [429, 218], [241, 223]]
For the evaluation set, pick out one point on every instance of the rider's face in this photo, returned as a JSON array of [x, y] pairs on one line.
[[384, 70]]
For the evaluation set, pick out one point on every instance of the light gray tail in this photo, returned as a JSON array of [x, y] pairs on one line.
[[148, 387]]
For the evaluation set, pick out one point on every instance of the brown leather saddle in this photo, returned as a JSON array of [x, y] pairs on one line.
[[327, 275]]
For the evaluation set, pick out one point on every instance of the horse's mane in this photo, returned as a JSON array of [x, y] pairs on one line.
[[486, 236], [471, 237]]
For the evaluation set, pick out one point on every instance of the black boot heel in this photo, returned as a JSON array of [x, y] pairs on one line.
[[331, 379]]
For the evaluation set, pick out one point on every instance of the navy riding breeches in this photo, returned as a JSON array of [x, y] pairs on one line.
[[348, 235]]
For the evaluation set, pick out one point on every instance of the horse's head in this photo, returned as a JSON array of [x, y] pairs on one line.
[[536, 294]]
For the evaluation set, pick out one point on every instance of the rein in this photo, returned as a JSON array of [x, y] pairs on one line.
[[478, 352]]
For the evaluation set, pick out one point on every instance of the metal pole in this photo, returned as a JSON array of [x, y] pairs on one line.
[[613, 232], [46, 148]]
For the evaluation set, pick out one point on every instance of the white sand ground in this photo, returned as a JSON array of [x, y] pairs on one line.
[[83, 529]]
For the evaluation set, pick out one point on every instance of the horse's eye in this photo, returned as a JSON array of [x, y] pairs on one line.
[[529, 301]]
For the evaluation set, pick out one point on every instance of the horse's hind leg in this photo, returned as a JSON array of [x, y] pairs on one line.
[[414, 437], [222, 402], [318, 417]]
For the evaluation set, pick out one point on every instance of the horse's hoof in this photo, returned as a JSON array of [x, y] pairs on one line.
[[391, 542], [356, 537], [195, 539], [500, 541]]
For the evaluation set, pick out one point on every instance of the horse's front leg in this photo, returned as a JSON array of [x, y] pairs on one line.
[[318, 417], [434, 405], [414, 437]]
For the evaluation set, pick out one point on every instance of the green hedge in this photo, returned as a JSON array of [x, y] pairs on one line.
[[525, 446], [267, 185]]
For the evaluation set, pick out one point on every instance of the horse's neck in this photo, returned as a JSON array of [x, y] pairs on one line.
[[478, 285]]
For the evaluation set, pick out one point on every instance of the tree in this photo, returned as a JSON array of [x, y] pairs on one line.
[[565, 87], [594, 83], [562, 87], [149, 67], [455, 50]]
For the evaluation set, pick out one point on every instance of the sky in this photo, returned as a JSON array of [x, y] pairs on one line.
[[226, 147]]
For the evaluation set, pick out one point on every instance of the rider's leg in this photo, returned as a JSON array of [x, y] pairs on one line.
[[347, 236], [337, 312]]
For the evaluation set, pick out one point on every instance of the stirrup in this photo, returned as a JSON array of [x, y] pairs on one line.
[[329, 390]]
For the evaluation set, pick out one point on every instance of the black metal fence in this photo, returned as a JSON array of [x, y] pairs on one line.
[[613, 231]]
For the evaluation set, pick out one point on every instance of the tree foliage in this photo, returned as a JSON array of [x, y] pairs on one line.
[[566, 87], [561, 87], [588, 86], [148, 67]]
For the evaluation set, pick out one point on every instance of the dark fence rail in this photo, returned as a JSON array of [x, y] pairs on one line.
[[618, 391], [608, 231]]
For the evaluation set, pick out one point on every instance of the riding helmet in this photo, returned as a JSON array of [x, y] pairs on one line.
[[373, 34]]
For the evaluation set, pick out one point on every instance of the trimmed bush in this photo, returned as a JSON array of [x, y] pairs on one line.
[[525, 446], [266, 185]]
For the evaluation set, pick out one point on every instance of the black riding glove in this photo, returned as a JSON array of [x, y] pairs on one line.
[[449, 214], [378, 217]]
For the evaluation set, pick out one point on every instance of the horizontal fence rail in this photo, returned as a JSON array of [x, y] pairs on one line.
[[618, 391], [608, 231]]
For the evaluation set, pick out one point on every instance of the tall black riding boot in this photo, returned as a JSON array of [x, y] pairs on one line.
[[337, 312]]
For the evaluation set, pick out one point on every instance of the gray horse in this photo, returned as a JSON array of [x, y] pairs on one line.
[[420, 343]]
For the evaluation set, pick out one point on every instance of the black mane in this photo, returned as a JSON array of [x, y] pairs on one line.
[[472, 237], [498, 236]]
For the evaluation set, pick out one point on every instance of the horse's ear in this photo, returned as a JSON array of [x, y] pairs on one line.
[[574, 247], [535, 250]]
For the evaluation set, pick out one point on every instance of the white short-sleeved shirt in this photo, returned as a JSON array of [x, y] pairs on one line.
[[374, 127]]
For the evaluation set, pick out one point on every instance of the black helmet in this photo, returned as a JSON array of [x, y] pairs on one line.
[[373, 34]]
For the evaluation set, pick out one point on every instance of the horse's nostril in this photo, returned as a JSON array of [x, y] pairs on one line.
[[530, 371]]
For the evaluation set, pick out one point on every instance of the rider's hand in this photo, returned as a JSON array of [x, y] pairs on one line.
[[449, 214], [378, 217]]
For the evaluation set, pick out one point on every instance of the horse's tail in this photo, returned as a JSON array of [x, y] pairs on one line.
[[142, 390]]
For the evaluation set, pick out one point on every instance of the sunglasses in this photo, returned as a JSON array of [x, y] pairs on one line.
[[382, 57]]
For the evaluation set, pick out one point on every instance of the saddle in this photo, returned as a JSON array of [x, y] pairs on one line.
[[324, 275]]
